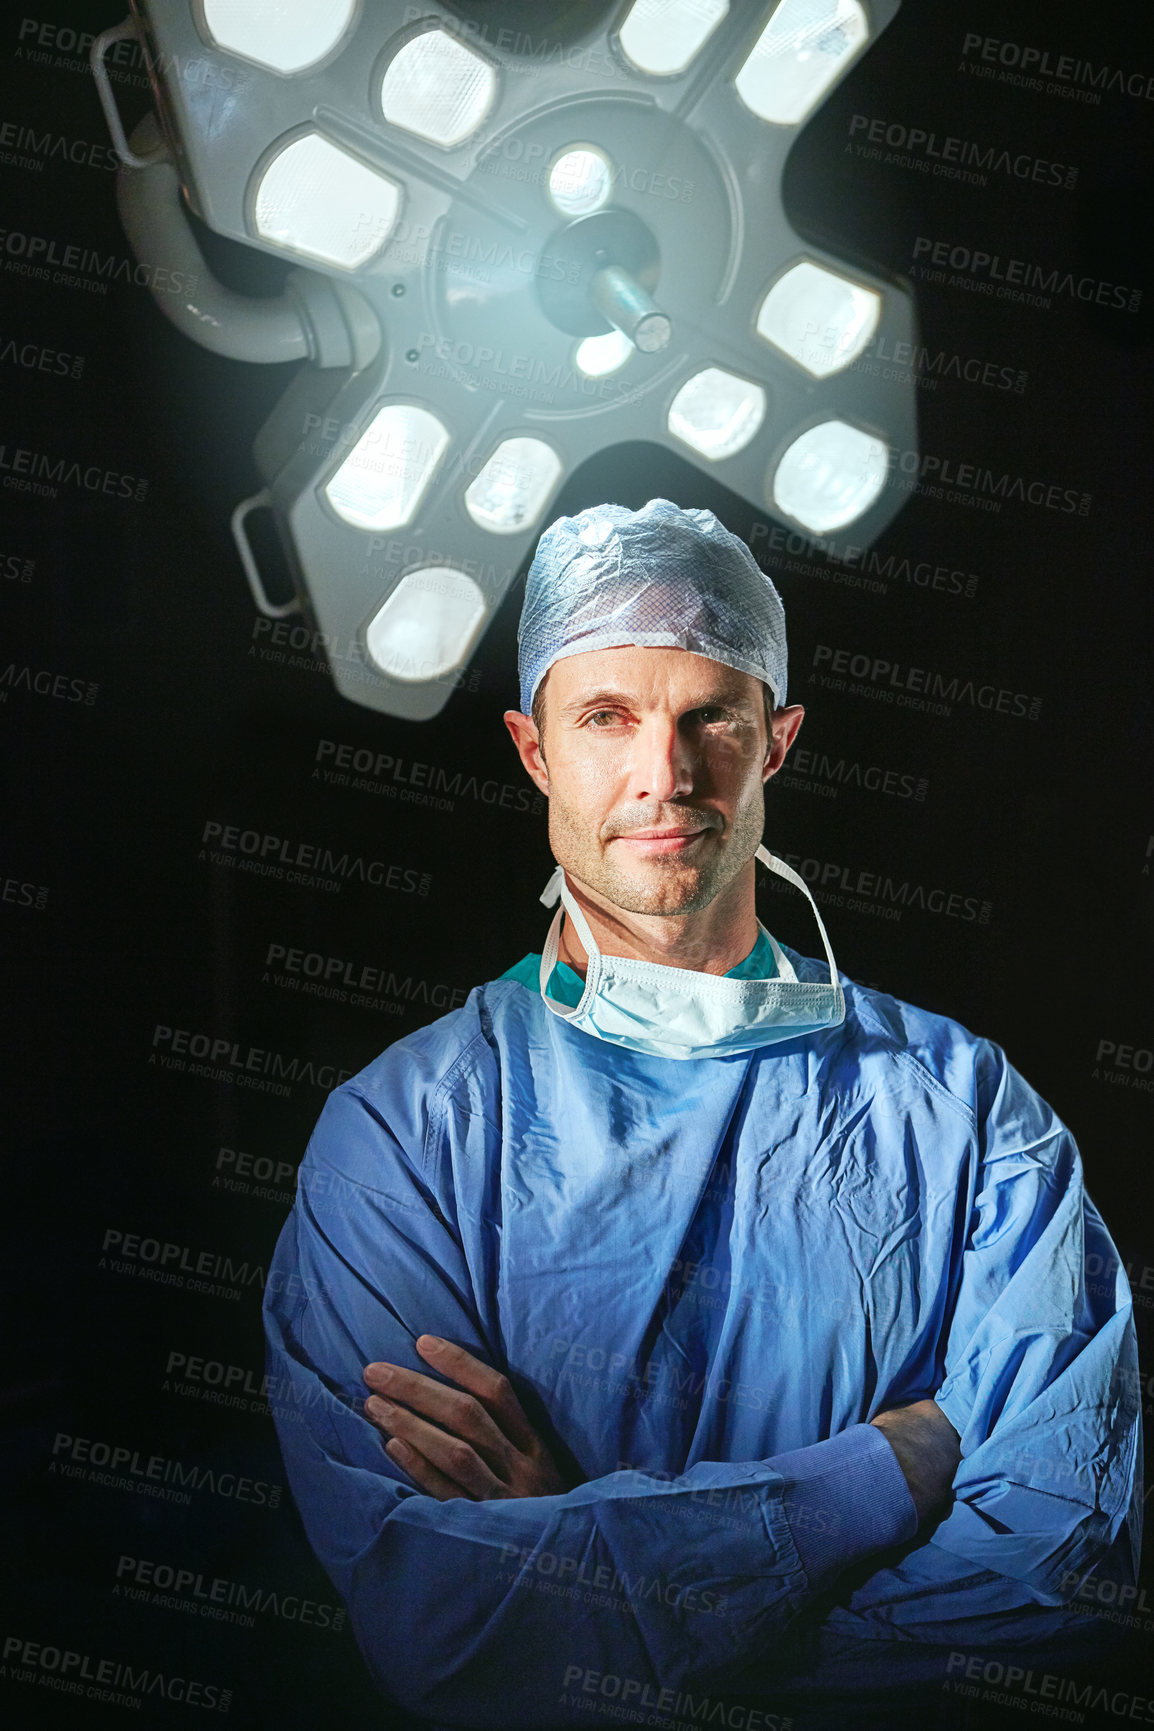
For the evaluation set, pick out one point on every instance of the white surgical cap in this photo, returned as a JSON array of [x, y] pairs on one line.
[[659, 578]]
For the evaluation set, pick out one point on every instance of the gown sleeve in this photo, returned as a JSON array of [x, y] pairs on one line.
[[1040, 1380], [507, 1613], [1041, 1370]]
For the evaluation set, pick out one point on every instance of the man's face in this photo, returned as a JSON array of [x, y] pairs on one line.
[[654, 761]]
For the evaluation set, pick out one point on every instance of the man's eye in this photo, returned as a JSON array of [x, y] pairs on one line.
[[603, 717], [712, 713]]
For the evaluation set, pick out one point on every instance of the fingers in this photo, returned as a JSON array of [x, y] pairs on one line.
[[454, 1411], [493, 1390], [452, 1456], [422, 1472], [927, 1449]]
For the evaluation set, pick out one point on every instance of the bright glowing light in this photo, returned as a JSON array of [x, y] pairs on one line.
[[819, 319], [717, 413], [317, 200], [387, 473], [436, 87], [284, 35], [662, 36], [829, 476], [580, 181], [515, 483], [596, 356], [427, 626], [803, 48]]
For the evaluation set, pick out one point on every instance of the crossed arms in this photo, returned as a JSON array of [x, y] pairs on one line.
[[441, 1551], [473, 1440]]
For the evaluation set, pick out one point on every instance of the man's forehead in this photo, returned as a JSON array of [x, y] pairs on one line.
[[646, 673]]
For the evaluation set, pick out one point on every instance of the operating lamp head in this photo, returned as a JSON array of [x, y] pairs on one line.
[[502, 264], [660, 577]]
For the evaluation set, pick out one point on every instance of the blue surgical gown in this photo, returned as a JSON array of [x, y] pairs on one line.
[[703, 1277]]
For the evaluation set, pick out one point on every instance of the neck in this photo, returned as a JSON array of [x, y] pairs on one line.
[[712, 940]]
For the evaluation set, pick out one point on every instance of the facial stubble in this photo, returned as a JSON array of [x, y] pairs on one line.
[[660, 885]]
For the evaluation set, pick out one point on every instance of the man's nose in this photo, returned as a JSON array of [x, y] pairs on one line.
[[662, 766]]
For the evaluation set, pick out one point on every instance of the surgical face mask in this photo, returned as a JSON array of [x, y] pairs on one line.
[[679, 1012]]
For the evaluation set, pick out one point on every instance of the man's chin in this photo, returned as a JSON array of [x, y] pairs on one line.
[[661, 886]]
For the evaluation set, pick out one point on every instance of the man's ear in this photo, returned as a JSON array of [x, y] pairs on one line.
[[783, 730], [523, 730]]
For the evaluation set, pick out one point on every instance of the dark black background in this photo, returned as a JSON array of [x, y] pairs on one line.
[[1049, 820]]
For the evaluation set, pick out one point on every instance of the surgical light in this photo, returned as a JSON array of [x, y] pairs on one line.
[[829, 476], [437, 88], [383, 479], [427, 626], [513, 487], [598, 356], [663, 36], [283, 37], [315, 199], [495, 267], [804, 48], [717, 413], [821, 319], [580, 181]]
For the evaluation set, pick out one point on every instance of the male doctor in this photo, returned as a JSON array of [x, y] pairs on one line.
[[678, 1322]]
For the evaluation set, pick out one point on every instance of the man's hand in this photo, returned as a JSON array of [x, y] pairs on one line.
[[476, 1443], [926, 1445]]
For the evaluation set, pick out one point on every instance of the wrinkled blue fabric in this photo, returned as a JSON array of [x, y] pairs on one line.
[[703, 1277], [658, 577]]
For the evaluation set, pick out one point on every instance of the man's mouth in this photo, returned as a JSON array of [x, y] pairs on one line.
[[663, 841]]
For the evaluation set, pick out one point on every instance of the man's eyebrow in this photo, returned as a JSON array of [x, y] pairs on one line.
[[724, 697], [606, 695]]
